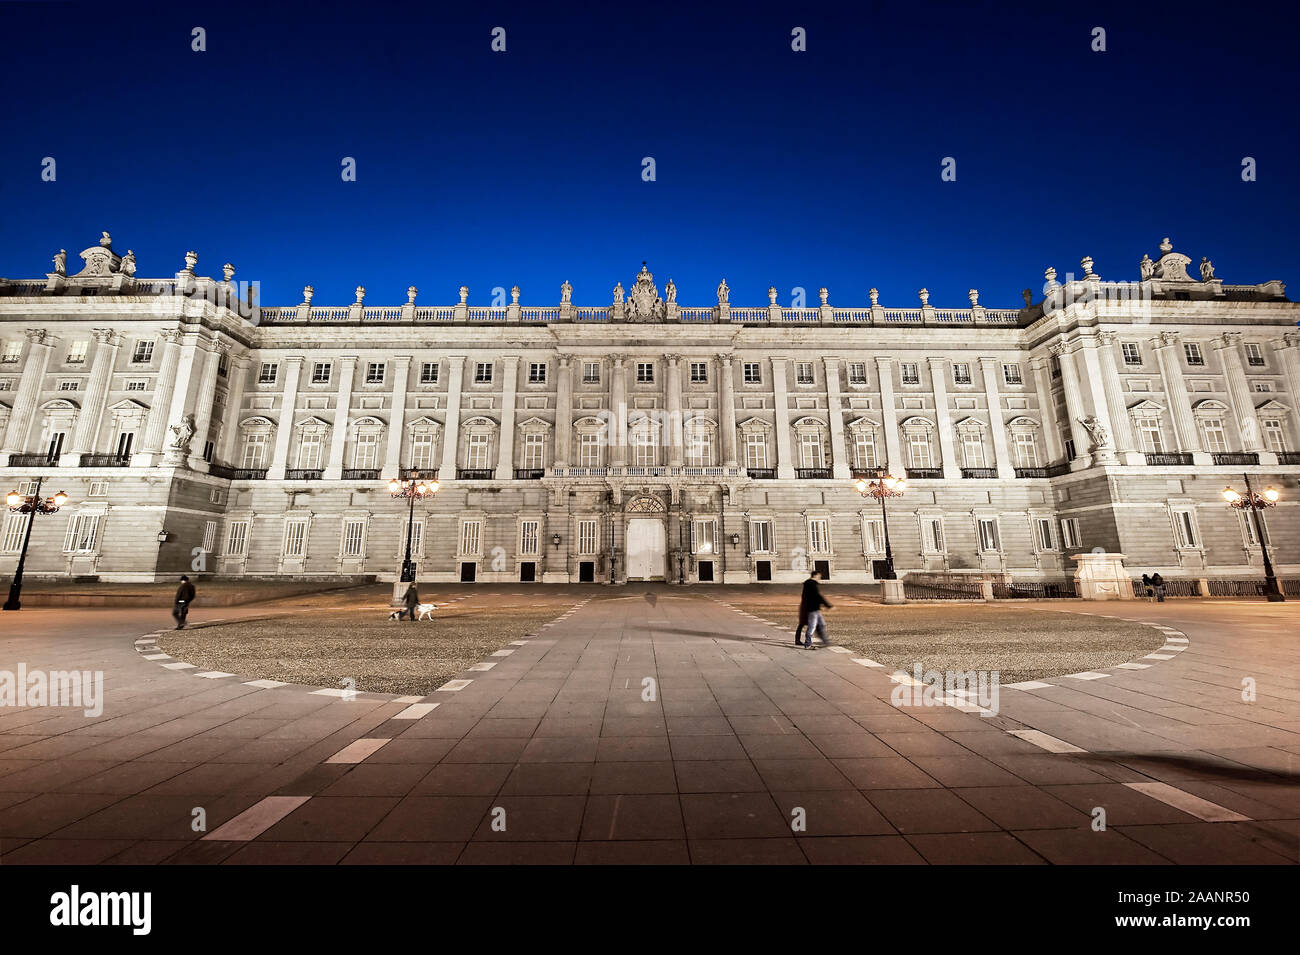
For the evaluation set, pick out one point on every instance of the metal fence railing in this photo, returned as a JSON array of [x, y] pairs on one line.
[[952, 590], [1034, 589]]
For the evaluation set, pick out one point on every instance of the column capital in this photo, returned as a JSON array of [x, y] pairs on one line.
[[1167, 339], [1107, 337], [1230, 340], [36, 336], [1292, 339], [171, 336], [618, 359], [102, 335], [1060, 349], [563, 358]]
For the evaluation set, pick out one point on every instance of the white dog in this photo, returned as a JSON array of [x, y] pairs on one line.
[[425, 610]]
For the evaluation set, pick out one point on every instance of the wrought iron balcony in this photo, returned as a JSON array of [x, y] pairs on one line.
[[246, 474], [761, 474], [1234, 457], [1056, 470], [1032, 472], [474, 474], [426, 474], [222, 471], [922, 474], [1288, 457], [529, 474], [868, 474], [979, 472], [33, 460], [1168, 458], [105, 460], [303, 474], [812, 474], [361, 474]]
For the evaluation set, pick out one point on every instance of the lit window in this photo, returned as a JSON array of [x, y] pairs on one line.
[[143, 353], [77, 352]]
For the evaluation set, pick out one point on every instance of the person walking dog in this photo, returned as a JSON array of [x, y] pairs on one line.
[[1158, 583], [810, 604], [1148, 589], [412, 600], [184, 597]]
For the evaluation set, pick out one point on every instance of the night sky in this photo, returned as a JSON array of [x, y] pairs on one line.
[[773, 167]]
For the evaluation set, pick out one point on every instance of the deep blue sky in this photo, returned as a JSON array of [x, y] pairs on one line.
[[774, 167]]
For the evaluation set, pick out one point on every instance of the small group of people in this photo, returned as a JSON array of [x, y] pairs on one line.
[[811, 621], [1153, 587]]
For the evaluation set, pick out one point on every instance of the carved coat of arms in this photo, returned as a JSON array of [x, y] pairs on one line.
[[644, 303]]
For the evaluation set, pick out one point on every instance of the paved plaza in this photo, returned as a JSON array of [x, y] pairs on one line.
[[652, 725]]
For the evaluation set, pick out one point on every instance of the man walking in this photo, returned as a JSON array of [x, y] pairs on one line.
[[810, 604], [184, 597], [412, 600]]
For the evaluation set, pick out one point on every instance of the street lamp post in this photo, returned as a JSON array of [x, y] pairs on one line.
[[886, 486], [1255, 503], [31, 505], [413, 488]]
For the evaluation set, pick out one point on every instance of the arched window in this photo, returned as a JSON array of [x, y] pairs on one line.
[[701, 444], [258, 440], [918, 436]]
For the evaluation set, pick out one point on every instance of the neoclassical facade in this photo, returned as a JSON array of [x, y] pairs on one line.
[[196, 431]]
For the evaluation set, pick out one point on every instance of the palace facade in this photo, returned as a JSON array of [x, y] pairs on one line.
[[196, 431]]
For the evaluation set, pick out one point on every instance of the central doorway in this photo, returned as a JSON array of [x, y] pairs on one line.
[[647, 548]]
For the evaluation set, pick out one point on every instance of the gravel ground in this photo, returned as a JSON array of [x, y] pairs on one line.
[[1019, 642], [330, 643]]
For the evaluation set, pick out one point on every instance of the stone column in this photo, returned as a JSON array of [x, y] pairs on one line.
[[397, 419], [203, 400], [618, 412], [451, 429], [727, 406], [347, 371], [563, 411], [1229, 348], [229, 434], [1047, 410], [86, 436], [288, 407], [784, 458], [1180, 407], [894, 462], [29, 392], [1074, 408], [990, 370], [943, 419], [1096, 397], [673, 402], [1120, 427], [840, 469], [155, 432], [506, 453], [1290, 356]]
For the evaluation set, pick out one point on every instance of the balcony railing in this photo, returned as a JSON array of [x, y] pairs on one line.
[[424, 474], [1056, 470], [923, 474], [529, 474], [868, 474], [812, 474], [979, 472], [761, 474], [1168, 458], [33, 460], [1288, 457], [474, 474], [105, 461], [246, 474], [303, 474], [1032, 472], [1234, 457], [361, 474]]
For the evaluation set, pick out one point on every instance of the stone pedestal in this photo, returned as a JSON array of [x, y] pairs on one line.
[[892, 590], [1101, 576], [399, 591]]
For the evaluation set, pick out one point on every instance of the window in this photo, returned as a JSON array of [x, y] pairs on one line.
[[810, 450], [911, 373], [69, 386], [1055, 366], [320, 373], [645, 372], [143, 353], [1011, 373], [476, 452], [6, 384], [591, 372], [483, 373], [961, 373], [15, 530], [873, 535], [819, 536], [1193, 353], [77, 352], [643, 448], [537, 372], [1149, 435], [295, 538], [1070, 532], [704, 537], [857, 373], [803, 374], [587, 537], [223, 366], [753, 373], [1214, 436], [98, 489], [217, 495], [1251, 531], [918, 450], [55, 448], [589, 450], [760, 537], [209, 535], [972, 449], [1026, 450], [528, 538], [417, 540], [429, 373], [126, 438], [932, 535], [366, 453], [470, 540], [864, 449], [1131, 351], [1263, 386], [1274, 436], [534, 450], [354, 538], [83, 534], [1043, 533], [1254, 355], [1070, 453], [12, 353], [1185, 526], [755, 450], [699, 372], [988, 533], [309, 449], [136, 384], [255, 451], [268, 372], [375, 372], [699, 448], [422, 450], [237, 538]]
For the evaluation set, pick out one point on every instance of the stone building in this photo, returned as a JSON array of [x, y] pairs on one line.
[[197, 431]]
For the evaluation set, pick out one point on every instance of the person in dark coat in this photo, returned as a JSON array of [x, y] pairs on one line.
[[412, 600], [1158, 583], [1148, 589], [811, 602], [184, 597]]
